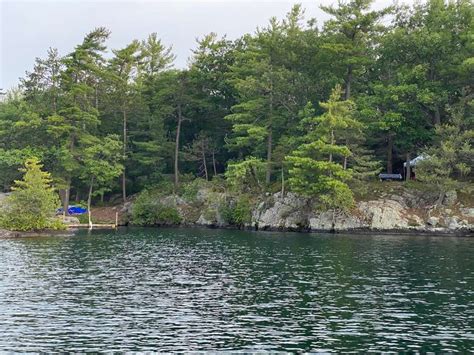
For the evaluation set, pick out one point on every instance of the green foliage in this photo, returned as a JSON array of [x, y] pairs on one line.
[[102, 163], [336, 195], [33, 201], [351, 35], [237, 212], [148, 211], [315, 171], [246, 175], [162, 188], [450, 161], [366, 166], [191, 189], [10, 161], [245, 105]]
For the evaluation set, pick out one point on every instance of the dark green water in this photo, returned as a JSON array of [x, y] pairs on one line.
[[192, 289]]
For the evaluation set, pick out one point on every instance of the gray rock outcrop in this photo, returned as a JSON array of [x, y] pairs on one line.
[[392, 212]]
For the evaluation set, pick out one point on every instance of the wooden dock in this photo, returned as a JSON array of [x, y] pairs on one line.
[[94, 226]]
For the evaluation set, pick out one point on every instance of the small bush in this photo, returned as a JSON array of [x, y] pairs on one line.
[[163, 188], [191, 189], [83, 218], [337, 196], [237, 213], [147, 211]]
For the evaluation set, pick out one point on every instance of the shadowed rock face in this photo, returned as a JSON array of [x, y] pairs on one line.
[[6, 234]]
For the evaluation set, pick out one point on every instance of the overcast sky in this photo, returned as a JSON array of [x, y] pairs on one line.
[[29, 27]]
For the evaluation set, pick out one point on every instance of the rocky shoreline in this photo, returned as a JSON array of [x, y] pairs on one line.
[[406, 213]]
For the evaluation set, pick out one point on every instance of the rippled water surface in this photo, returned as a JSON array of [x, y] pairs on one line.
[[192, 289]]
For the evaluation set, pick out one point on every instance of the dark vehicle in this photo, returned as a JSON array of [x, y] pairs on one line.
[[390, 177]]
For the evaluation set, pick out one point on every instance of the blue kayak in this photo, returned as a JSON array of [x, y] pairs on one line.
[[72, 210]]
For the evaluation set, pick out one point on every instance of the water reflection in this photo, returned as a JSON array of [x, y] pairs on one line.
[[176, 290]]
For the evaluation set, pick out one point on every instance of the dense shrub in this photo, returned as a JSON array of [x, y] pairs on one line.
[[190, 189], [238, 212], [148, 211]]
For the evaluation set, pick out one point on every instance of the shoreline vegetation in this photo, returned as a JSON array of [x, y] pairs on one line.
[[287, 128], [387, 208]]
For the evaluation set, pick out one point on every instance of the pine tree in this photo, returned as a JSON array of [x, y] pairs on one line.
[[247, 175], [268, 87], [351, 37], [33, 201], [449, 163], [124, 69], [317, 168], [76, 122], [147, 146]]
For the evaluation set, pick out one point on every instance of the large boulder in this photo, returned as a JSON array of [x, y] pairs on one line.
[[432, 221], [329, 221], [384, 214], [211, 216], [277, 212], [209, 204], [452, 223]]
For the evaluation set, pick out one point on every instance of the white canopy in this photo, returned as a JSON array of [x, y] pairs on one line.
[[415, 161]]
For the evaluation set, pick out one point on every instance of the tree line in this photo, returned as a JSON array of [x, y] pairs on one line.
[[310, 106]]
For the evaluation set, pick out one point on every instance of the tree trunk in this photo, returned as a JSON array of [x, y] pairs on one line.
[[96, 98], [332, 143], [408, 168], [270, 138], [347, 95], [389, 153], [204, 162], [214, 163], [437, 116], [269, 157], [345, 157], [89, 202], [55, 106], [67, 197], [67, 192], [282, 181], [440, 199], [333, 222], [124, 175], [176, 148]]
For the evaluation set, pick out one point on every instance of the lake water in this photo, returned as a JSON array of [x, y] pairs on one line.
[[200, 289]]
